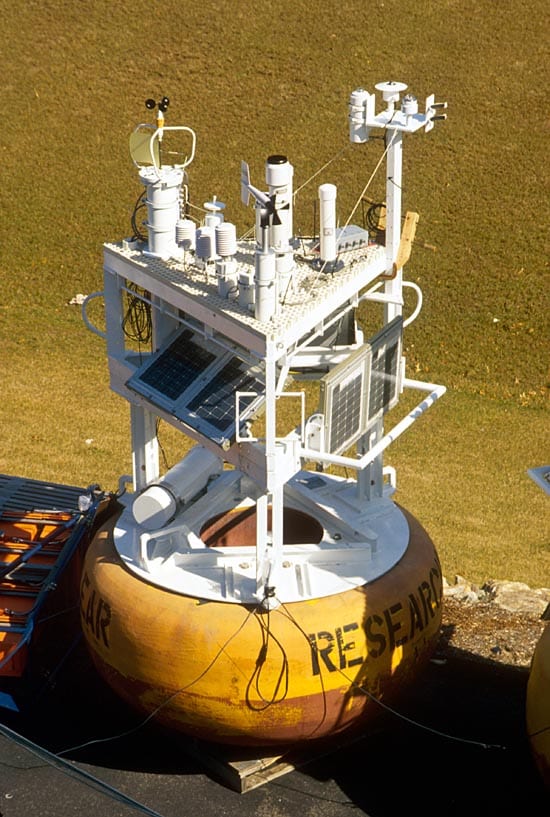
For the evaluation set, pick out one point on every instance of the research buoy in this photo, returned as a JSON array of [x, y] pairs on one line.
[[538, 706], [267, 589]]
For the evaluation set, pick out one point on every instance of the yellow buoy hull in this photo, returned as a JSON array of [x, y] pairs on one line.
[[241, 675], [538, 705]]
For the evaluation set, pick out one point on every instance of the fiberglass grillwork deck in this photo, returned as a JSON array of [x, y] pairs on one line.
[[21, 494], [311, 296]]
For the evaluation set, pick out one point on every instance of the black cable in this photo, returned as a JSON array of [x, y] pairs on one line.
[[160, 445], [373, 216], [260, 662], [360, 688], [67, 768], [144, 721], [137, 324], [313, 647], [137, 234], [538, 732]]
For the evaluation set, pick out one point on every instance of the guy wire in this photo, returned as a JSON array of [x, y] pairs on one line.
[[164, 703], [330, 161], [390, 709]]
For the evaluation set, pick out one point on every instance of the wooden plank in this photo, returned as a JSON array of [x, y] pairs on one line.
[[407, 238], [243, 769], [239, 768]]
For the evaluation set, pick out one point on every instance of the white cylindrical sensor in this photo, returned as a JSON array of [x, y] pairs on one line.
[[278, 175], [158, 503], [154, 507], [409, 105], [163, 209], [247, 292], [358, 131], [214, 212], [327, 226], [226, 272], [185, 233], [278, 171], [206, 243], [226, 239]]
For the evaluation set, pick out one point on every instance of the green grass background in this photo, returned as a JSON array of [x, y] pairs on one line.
[[253, 79]]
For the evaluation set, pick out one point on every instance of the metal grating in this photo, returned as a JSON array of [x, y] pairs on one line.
[[22, 494]]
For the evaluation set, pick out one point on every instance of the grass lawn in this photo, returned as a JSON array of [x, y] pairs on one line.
[[254, 80]]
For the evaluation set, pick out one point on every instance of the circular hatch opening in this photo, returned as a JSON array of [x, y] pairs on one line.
[[237, 528]]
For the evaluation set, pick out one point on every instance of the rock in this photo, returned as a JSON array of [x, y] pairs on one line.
[[501, 622], [517, 597], [462, 590], [77, 300]]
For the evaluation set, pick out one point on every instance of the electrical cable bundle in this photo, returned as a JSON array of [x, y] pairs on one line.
[[137, 324]]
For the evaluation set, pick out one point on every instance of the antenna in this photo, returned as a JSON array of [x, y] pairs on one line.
[[405, 118]]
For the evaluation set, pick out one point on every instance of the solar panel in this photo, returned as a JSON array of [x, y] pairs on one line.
[[358, 392], [346, 411], [343, 397], [196, 380], [385, 384], [215, 403], [177, 366]]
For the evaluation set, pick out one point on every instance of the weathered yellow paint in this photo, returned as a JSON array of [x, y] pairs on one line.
[[397, 657], [538, 705], [236, 674]]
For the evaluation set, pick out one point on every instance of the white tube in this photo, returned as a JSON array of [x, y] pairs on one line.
[[278, 175], [327, 231], [159, 502], [266, 289], [358, 131], [358, 464]]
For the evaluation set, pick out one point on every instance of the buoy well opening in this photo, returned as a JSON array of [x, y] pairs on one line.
[[237, 528]]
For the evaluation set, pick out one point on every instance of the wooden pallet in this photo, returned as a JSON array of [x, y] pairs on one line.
[[243, 769]]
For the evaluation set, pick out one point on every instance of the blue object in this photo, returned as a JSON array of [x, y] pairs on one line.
[[7, 702]]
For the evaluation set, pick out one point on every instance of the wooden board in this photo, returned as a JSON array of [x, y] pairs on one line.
[[243, 769]]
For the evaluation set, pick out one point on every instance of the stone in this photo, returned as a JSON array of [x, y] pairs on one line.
[[515, 597], [518, 597]]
